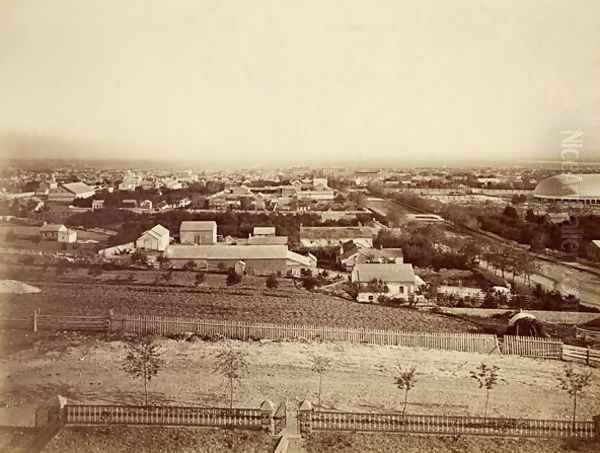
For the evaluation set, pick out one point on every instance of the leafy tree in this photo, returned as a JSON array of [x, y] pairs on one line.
[[233, 278], [272, 282], [405, 380], [143, 361], [320, 364], [487, 378], [232, 364], [574, 384]]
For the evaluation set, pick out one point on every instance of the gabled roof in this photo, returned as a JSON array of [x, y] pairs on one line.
[[366, 272], [227, 252], [198, 225], [157, 231], [50, 227], [596, 242], [78, 187], [304, 260]]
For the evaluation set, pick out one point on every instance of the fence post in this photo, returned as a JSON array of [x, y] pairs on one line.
[[268, 411], [35, 320], [305, 418], [587, 355]]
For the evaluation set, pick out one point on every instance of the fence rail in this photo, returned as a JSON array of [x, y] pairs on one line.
[[546, 348], [587, 356], [438, 424], [166, 415]]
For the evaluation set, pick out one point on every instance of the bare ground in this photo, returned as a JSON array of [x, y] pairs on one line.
[[130, 439], [87, 369]]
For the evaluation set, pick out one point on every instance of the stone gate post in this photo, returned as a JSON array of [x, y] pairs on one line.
[[268, 411], [305, 413]]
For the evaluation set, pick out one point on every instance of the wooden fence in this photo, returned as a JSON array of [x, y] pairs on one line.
[[311, 421], [587, 356], [245, 418], [245, 331], [546, 348], [212, 329]]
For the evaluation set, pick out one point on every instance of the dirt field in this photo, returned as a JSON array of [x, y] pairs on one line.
[[359, 443], [147, 439], [79, 293], [87, 369]]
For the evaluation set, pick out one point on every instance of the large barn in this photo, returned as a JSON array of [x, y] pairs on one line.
[[578, 188], [258, 259]]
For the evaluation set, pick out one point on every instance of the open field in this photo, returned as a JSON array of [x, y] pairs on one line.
[[13, 438], [86, 369], [132, 439], [359, 443], [250, 301]]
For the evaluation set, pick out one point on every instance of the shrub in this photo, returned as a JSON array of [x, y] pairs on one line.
[[233, 278], [189, 266], [200, 277], [309, 283], [272, 282]]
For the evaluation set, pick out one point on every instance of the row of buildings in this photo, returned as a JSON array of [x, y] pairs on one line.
[[262, 253]]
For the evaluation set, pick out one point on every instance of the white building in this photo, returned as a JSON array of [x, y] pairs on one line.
[[394, 281], [156, 238]]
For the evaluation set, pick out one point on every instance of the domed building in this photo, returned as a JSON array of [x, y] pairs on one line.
[[581, 188]]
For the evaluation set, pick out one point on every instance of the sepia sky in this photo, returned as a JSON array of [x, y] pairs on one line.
[[314, 79]]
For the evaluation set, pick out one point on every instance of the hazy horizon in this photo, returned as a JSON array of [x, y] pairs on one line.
[[279, 81]]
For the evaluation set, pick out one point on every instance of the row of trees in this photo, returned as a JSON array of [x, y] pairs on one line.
[[236, 224], [143, 362]]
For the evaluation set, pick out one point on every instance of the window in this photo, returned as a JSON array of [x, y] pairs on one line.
[[401, 289], [370, 298]]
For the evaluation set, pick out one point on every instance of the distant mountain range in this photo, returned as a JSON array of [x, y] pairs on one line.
[[31, 150]]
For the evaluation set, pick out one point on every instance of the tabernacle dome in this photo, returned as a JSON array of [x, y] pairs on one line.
[[570, 187]]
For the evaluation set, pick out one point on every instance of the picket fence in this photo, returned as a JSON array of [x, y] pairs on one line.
[[311, 421], [158, 325], [546, 348], [212, 329], [246, 418]]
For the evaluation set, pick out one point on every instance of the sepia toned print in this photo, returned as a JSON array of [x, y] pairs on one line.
[[299, 227]]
